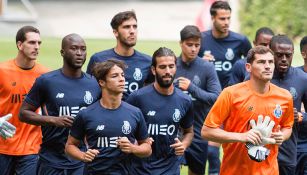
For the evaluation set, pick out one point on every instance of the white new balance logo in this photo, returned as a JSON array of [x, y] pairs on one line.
[[100, 128], [60, 95], [151, 113]]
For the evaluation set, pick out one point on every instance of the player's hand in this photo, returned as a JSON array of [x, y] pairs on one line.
[[278, 136], [125, 145], [89, 155], [63, 121], [298, 117], [179, 147], [264, 126], [207, 56], [183, 83], [253, 136], [150, 140], [7, 130], [257, 153]]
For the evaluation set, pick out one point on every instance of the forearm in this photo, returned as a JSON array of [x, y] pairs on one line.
[[187, 138], [286, 133], [74, 152], [221, 136], [33, 118], [142, 150]]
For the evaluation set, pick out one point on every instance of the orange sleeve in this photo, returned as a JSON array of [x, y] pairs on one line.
[[288, 119], [220, 110]]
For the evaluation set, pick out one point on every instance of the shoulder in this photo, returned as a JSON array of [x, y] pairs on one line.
[[7, 65], [42, 69], [280, 92], [237, 36], [182, 96], [102, 54], [204, 63], [142, 56]]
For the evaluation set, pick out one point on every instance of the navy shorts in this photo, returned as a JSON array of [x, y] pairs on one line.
[[44, 169], [196, 156], [22, 165], [301, 167]]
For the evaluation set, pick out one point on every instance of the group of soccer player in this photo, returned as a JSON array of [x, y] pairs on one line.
[[135, 114]]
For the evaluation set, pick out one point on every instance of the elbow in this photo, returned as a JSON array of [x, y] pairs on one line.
[[204, 133], [21, 116]]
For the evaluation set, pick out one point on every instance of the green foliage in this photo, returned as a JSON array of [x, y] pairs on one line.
[[282, 16]]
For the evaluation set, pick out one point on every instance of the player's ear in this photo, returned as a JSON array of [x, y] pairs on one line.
[[19, 45], [62, 52], [248, 67], [101, 83], [153, 70], [115, 32]]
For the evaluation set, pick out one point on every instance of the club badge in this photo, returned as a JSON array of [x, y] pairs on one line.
[[229, 54], [88, 98], [176, 115], [126, 128], [277, 111], [137, 75]]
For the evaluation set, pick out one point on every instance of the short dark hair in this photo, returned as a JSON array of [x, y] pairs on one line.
[[120, 17], [280, 39], [21, 33], [257, 50], [264, 30], [189, 31], [162, 51], [303, 43], [219, 5], [101, 69]]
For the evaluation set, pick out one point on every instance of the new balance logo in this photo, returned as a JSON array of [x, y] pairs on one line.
[[60, 95], [100, 128], [151, 113]]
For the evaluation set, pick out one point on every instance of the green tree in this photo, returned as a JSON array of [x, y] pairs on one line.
[[282, 16]]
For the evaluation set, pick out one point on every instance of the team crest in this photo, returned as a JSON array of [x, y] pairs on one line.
[[137, 75], [229, 54], [196, 80], [176, 115], [293, 92], [126, 128], [88, 98], [277, 111]]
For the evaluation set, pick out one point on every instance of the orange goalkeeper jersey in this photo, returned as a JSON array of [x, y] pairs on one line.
[[15, 83], [233, 110]]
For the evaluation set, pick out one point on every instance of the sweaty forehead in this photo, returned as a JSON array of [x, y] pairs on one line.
[[281, 47]]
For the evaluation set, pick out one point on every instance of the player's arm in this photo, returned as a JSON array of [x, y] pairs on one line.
[[142, 149], [181, 145], [28, 115], [237, 73], [281, 134], [222, 136], [71, 149]]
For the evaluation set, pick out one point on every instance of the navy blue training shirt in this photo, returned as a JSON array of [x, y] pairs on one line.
[[60, 95]]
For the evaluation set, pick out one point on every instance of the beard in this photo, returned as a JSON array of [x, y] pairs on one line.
[[124, 42], [165, 84]]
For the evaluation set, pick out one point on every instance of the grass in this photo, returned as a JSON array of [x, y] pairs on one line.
[[51, 58]]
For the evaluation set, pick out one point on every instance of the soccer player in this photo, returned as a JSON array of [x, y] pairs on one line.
[[18, 154], [110, 126], [303, 48], [294, 80], [240, 103], [61, 94], [221, 45], [124, 25], [239, 73], [224, 48], [166, 110], [197, 78]]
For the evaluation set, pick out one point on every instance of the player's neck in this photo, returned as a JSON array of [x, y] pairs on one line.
[[24, 63], [123, 50], [260, 86], [217, 34], [71, 72], [164, 91], [186, 60], [110, 101]]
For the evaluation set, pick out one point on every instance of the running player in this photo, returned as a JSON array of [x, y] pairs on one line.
[[124, 25], [239, 73], [199, 80], [19, 154], [166, 109], [110, 126], [292, 79], [303, 48], [62, 94], [240, 103]]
